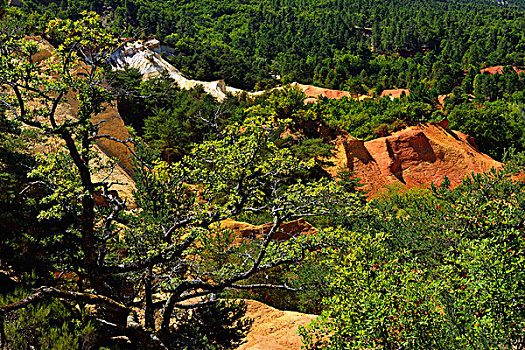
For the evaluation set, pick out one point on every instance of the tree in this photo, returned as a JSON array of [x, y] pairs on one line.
[[506, 118], [436, 269], [3, 5], [141, 268]]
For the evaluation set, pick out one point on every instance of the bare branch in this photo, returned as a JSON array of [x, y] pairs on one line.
[[109, 137], [195, 305], [265, 285], [31, 184], [50, 292]]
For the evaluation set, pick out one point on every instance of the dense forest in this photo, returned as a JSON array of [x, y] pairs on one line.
[[433, 48], [436, 267], [336, 44]]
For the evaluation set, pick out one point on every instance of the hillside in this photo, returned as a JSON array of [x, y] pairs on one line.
[[148, 58], [282, 151], [329, 44], [416, 156]]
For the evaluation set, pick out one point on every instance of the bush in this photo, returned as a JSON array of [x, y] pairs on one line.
[[427, 270]]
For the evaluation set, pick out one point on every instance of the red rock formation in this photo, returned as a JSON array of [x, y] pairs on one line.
[[417, 156], [499, 70], [395, 93], [291, 229], [315, 91]]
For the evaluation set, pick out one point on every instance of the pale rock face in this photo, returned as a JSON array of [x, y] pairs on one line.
[[146, 57]]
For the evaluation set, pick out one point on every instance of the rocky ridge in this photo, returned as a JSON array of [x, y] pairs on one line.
[[146, 56], [416, 156]]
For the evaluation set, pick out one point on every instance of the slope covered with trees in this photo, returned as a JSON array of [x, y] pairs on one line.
[[438, 269], [434, 268], [433, 48], [335, 44]]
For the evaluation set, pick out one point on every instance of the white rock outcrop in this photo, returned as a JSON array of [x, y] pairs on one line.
[[146, 57]]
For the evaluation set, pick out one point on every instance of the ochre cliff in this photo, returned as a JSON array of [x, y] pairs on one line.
[[109, 122], [312, 92], [416, 156], [273, 329]]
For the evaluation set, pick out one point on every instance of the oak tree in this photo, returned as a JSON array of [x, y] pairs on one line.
[[142, 268]]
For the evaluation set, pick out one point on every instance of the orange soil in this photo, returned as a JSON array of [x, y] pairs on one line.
[[416, 156]]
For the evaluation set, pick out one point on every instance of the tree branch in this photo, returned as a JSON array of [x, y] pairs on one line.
[[50, 292], [265, 285]]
